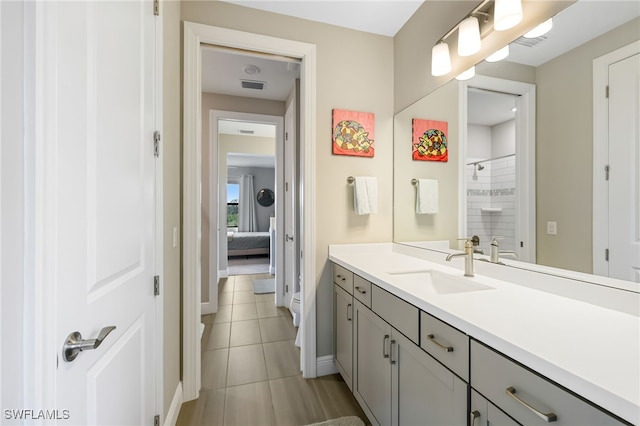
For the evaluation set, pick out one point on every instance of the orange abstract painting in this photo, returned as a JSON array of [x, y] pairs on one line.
[[352, 133], [429, 141]]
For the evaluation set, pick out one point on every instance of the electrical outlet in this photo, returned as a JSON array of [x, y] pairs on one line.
[[552, 228]]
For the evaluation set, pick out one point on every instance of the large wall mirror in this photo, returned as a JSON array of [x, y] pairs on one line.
[[521, 153]]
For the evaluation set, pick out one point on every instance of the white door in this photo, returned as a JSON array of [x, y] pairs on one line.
[[624, 166], [99, 111], [290, 258]]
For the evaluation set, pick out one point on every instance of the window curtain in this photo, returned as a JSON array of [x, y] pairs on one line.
[[247, 218]]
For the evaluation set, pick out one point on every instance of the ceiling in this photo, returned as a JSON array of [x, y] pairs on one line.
[[384, 17], [223, 69]]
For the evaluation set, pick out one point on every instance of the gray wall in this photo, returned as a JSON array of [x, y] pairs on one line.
[[564, 150], [171, 149], [262, 178]]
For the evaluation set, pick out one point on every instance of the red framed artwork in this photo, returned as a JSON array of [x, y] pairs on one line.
[[352, 133], [429, 140]]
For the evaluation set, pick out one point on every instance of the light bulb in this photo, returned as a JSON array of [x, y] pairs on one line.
[[507, 14], [541, 29], [440, 60], [469, 37], [498, 55], [466, 75]]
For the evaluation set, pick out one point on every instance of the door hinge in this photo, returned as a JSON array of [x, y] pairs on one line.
[[606, 95], [606, 172], [300, 254], [521, 243], [156, 143], [156, 420], [286, 289], [286, 136], [606, 254], [286, 186], [156, 285], [156, 7]]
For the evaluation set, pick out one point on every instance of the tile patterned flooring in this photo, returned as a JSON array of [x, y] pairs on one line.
[[251, 368]]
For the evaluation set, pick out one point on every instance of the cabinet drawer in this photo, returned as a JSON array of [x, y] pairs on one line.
[[446, 344], [362, 290], [403, 316], [502, 381], [343, 277]]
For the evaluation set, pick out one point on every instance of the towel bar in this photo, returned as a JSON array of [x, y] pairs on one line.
[[351, 179], [414, 181]]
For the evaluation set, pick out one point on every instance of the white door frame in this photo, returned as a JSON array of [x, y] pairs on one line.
[[525, 159], [600, 152], [38, 345], [195, 35], [217, 203]]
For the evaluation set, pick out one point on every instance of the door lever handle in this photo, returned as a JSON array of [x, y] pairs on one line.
[[76, 344]]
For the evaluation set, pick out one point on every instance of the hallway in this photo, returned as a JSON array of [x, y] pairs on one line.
[[251, 367]]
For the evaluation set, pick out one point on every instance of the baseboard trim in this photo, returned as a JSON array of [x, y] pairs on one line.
[[174, 408], [325, 366]]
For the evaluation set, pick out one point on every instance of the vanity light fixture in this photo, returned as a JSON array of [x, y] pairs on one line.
[[440, 60], [469, 37], [540, 30], [507, 14], [466, 75], [498, 55]]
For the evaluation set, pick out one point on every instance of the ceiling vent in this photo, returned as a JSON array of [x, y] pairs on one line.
[[530, 42], [250, 84]]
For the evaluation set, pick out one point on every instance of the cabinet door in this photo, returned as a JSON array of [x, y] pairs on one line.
[[343, 320], [424, 392], [484, 413], [372, 378]]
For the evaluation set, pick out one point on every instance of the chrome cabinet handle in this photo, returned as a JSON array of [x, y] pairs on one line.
[[348, 316], [76, 344], [391, 360], [384, 346], [440, 345], [360, 290], [547, 417], [473, 416]]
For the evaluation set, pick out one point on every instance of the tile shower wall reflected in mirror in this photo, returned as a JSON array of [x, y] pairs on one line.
[[491, 168]]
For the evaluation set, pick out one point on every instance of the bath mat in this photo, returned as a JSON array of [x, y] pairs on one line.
[[341, 421], [264, 286]]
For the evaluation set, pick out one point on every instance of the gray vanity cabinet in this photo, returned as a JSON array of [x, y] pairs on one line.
[[399, 384], [526, 396], [372, 375], [343, 332], [423, 391]]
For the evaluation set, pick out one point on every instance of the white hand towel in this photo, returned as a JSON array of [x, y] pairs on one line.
[[365, 195], [427, 199]]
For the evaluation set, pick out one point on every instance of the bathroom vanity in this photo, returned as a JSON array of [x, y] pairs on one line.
[[418, 343]]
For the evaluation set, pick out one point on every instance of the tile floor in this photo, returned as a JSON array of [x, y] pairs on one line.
[[251, 368]]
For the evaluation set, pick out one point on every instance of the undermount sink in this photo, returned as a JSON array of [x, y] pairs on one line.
[[441, 282]]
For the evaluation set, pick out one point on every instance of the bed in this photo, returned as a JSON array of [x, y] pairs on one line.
[[247, 243]]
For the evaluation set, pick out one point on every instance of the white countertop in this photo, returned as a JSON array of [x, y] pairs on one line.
[[592, 350]]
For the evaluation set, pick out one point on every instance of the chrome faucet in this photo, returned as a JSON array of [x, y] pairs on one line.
[[494, 256], [468, 260]]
